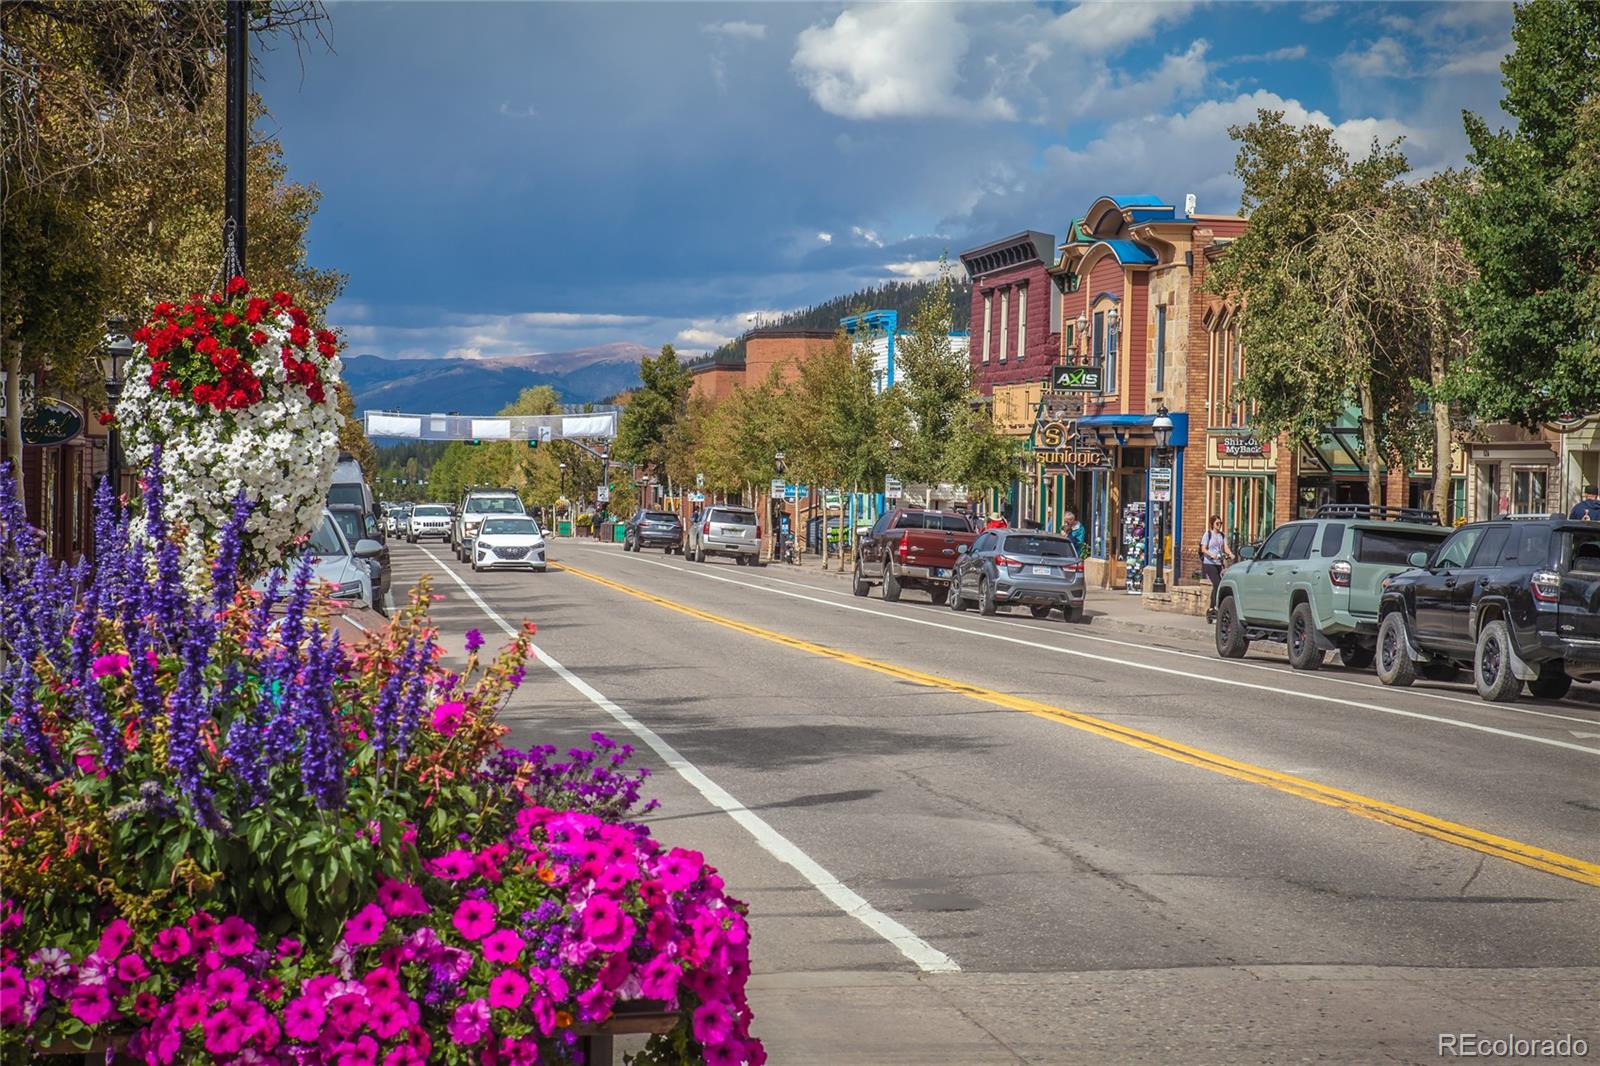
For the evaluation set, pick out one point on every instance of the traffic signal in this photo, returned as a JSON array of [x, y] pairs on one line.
[[533, 442], [474, 442]]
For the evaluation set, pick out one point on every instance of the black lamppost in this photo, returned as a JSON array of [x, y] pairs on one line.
[[119, 348], [1162, 427], [563, 480], [777, 503], [237, 138]]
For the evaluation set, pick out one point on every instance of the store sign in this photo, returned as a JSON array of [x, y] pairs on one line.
[[1243, 446], [1161, 484], [51, 421], [1075, 378], [1060, 448]]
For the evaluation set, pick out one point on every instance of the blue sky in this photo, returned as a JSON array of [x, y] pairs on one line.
[[512, 178]]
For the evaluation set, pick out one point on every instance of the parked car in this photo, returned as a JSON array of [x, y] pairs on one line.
[[1316, 585], [358, 525], [1512, 601], [726, 529], [477, 505], [913, 549], [509, 543], [654, 529], [1040, 571], [349, 486], [394, 519], [339, 562], [428, 520]]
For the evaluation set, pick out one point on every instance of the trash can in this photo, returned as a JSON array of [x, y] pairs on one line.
[[564, 527], [619, 531]]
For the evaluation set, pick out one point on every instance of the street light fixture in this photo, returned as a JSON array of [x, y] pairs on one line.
[[1161, 426], [1083, 333], [119, 349]]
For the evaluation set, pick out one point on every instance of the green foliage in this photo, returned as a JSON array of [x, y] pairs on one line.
[[742, 436], [653, 408], [353, 437], [835, 418], [1533, 228]]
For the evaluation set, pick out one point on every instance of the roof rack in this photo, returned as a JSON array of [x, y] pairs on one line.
[[1529, 516], [1373, 512]]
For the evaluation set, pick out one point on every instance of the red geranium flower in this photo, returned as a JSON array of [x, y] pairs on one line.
[[237, 284]]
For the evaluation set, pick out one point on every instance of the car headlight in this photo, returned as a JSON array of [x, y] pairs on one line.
[[349, 590]]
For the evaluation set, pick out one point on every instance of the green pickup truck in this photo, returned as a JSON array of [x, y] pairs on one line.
[[1316, 584]]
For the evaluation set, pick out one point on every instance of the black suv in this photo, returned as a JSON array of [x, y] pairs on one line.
[[653, 529], [1514, 600]]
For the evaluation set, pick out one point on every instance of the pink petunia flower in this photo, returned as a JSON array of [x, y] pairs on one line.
[[404, 1055], [387, 1018], [366, 925], [729, 1053], [451, 866], [131, 968], [712, 1023], [289, 948], [470, 1022], [91, 1004], [200, 926], [606, 925], [659, 979], [507, 990], [400, 899], [109, 666], [171, 944], [225, 1032], [519, 1051], [503, 945], [303, 1018], [229, 984], [447, 717], [189, 1007], [474, 918], [680, 868], [146, 1006], [595, 1003], [234, 936], [114, 939], [348, 1014]]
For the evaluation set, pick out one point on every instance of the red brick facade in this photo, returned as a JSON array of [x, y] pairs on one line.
[[1022, 344], [781, 350]]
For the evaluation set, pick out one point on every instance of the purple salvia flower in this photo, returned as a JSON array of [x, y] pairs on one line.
[[225, 570]]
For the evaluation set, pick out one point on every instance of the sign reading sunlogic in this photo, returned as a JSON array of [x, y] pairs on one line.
[[1059, 448], [1075, 378], [51, 421]]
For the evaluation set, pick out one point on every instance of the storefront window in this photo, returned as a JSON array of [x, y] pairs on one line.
[[1246, 504], [1528, 491]]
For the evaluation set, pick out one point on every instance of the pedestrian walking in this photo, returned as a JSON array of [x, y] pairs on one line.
[[1215, 554], [1587, 508], [1074, 531]]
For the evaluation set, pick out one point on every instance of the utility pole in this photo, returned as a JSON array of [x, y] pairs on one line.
[[238, 135]]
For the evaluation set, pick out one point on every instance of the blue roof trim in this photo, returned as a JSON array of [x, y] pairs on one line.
[[1142, 214], [1131, 253]]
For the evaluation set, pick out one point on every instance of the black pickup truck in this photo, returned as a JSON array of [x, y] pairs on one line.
[[1513, 600]]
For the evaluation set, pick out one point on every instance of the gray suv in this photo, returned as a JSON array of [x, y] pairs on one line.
[[726, 530], [1008, 566]]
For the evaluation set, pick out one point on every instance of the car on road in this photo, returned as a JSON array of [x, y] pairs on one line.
[[726, 529], [1513, 601], [1315, 585], [1006, 567], [477, 505], [350, 486], [512, 542], [428, 520], [911, 549], [338, 562], [358, 525], [394, 519], [653, 529]]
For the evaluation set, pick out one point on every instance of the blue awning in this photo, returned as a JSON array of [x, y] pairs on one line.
[[1137, 428]]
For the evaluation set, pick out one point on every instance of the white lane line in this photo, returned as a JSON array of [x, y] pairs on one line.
[[1074, 634], [927, 958], [1276, 690]]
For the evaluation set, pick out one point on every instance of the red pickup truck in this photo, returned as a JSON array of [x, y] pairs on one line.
[[911, 549]]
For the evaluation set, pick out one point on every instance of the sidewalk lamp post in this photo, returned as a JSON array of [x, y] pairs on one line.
[[1162, 427], [777, 502], [119, 349]]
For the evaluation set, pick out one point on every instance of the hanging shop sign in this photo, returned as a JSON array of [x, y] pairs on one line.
[[1075, 378], [51, 421], [1060, 448], [1243, 446]]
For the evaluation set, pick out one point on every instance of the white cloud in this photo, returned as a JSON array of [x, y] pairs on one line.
[[1318, 12], [748, 31], [701, 338], [506, 109], [1110, 27], [867, 236], [1484, 62], [892, 61], [706, 333], [1277, 55], [1180, 75], [825, 237], [1384, 58], [568, 319], [915, 270]]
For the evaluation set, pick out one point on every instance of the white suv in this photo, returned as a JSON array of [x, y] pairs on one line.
[[428, 520], [477, 505]]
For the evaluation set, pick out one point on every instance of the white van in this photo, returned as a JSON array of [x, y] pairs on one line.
[[349, 486]]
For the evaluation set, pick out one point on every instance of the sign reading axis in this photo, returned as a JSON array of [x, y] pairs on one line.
[[1075, 378]]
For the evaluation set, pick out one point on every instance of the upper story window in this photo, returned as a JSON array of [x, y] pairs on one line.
[[988, 320], [1005, 322], [1227, 369], [1161, 347], [1022, 322]]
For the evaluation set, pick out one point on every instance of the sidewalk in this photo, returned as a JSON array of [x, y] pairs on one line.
[[1107, 608]]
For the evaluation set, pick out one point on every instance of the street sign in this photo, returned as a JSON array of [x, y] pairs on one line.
[[697, 497], [544, 434], [892, 487], [603, 494], [1075, 378], [832, 500], [699, 481], [1161, 484], [778, 486]]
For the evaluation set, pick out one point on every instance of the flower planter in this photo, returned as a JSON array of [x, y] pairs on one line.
[[640, 1017]]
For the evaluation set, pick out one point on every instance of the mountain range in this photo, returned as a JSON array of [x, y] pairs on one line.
[[484, 386]]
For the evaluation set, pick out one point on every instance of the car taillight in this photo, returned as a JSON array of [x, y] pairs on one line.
[[1001, 560], [1073, 568], [1339, 574], [905, 546], [1546, 586], [705, 530], [758, 530]]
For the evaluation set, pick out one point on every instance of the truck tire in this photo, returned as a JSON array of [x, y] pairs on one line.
[[1395, 665], [986, 604], [1232, 642], [858, 584], [1356, 657], [1303, 651], [1551, 684], [891, 584], [938, 594], [1491, 664]]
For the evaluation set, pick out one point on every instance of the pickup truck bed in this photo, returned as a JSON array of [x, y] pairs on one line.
[[912, 549]]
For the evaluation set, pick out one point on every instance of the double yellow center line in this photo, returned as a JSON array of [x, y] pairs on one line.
[[1573, 869]]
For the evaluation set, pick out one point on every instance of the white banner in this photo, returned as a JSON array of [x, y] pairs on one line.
[[588, 426], [394, 426], [491, 429]]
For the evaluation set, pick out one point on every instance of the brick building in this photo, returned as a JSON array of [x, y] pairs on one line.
[[780, 350], [717, 377], [1016, 322]]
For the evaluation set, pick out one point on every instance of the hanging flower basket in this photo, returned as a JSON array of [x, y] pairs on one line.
[[239, 394]]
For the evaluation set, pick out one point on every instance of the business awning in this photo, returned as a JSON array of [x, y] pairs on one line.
[[1134, 429]]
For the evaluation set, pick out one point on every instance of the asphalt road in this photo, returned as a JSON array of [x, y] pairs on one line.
[[997, 840]]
